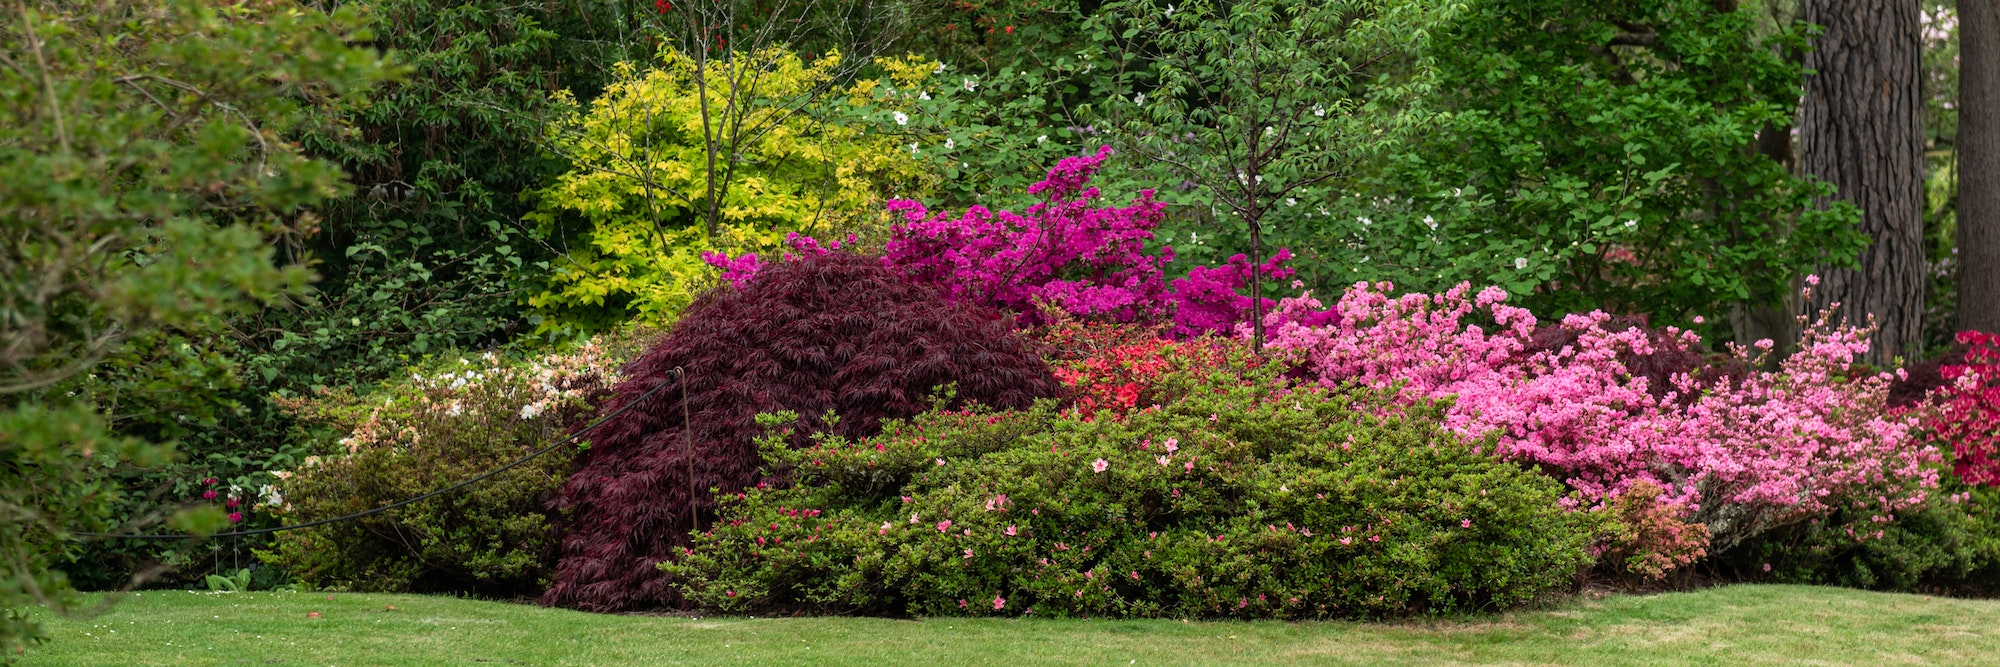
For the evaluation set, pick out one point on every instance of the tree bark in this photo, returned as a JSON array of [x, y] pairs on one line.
[[1978, 148], [1861, 129]]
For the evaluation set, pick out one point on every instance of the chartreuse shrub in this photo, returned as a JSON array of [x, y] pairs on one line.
[[1234, 497], [820, 333], [629, 219], [452, 419]]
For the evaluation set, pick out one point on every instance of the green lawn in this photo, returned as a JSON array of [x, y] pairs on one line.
[[1736, 625]]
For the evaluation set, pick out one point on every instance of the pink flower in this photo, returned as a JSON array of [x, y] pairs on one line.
[[944, 525], [1173, 445], [235, 517], [1009, 531], [1099, 465], [1812, 279], [208, 495], [968, 554], [999, 602], [1346, 540], [1465, 524], [1164, 461]]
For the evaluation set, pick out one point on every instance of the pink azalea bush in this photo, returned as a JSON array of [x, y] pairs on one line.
[[1738, 454], [1068, 251]]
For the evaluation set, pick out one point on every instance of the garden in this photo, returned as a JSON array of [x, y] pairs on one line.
[[1056, 331]]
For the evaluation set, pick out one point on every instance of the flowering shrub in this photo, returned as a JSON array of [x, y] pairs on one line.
[[1648, 537], [1234, 498], [452, 419], [1117, 366], [1086, 260], [823, 332], [1966, 412], [1740, 454]]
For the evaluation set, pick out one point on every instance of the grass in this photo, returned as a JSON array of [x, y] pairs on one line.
[[1734, 625]]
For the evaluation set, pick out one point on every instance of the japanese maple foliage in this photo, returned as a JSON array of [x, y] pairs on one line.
[[832, 331]]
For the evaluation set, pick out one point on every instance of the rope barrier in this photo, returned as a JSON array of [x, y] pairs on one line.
[[679, 378]]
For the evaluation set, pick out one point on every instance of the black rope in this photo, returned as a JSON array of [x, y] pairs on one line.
[[679, 376]]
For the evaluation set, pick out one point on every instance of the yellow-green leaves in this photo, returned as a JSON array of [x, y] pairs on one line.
[[696, 156]]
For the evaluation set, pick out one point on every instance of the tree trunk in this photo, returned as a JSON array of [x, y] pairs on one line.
[[1860, 129], [1979, 165], [1256, 287]]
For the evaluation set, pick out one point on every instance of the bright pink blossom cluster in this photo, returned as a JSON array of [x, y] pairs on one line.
[[1740, 454], [1067, 251], [1966, 412]]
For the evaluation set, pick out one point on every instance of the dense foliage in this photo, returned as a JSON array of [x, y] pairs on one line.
[[1606, 155], [1232, 496], [143, 166], [425, 254], [820, 335]]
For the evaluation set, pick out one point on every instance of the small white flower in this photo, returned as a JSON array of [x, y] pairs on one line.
[[939, 69], [924, 95], [531, 410], [950, 144], [1194, 238], [1139, 99], [1319, 110], [971, 84], [1520, 262], [1432, 223], [1364, 220], [1170, 10], [1042, 139], [1631, 223], [913, 148], [901, 118], [1291, 202]]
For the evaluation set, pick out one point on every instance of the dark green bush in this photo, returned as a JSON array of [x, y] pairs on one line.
[[1949, 545], [1234, 497]]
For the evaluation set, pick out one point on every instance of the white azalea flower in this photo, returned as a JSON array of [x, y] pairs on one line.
[[531, 410]]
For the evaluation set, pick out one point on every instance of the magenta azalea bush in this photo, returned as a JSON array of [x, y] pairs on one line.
[[1739, 454], [1071, 252]]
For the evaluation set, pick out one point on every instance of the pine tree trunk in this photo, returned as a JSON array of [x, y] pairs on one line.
[[1860, 129], [1979, 165]]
